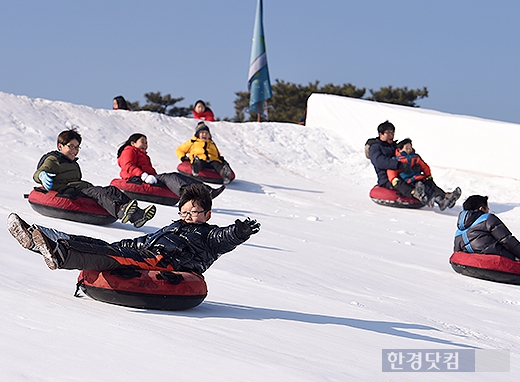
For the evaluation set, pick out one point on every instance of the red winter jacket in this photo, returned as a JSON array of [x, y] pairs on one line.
[[134, 162], [421, 170], [206, 115]]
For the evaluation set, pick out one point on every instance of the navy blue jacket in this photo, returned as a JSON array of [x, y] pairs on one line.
[[382, 157]]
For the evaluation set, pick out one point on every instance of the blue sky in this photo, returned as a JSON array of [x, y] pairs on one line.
[[86, 52]]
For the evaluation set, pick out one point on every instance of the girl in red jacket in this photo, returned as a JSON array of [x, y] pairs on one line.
[[136, 166], [201, 111]]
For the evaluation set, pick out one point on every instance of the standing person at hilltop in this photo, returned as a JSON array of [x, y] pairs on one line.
[[202, 152], [59, 170], [201, 111], [134, 162]]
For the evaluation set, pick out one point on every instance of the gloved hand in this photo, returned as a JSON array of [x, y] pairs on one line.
[[46, 179], [185, 159], [395, 181], [246, 228], [404, 167], [150, 179]]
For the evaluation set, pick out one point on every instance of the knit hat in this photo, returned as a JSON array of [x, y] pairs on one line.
[[201, 126], [401, 144], [474, 202], [386, 125]]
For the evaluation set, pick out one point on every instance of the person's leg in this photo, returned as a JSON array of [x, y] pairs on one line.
[[404, 188], [110, 198], [85, 253], [22, 232], [119, 205], [176, 182], [223, 169]]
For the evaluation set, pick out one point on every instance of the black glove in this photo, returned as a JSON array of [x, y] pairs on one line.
[[185, 159], [246, 228], [404, 167]]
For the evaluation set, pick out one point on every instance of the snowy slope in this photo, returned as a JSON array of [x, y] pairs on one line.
[[330, 281]]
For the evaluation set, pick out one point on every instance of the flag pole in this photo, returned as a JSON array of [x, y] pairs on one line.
[[258, 114]]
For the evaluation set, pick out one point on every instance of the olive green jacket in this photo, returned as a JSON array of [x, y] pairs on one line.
[[68, 172]]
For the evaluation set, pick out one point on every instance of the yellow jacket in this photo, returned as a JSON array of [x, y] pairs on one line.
[[195, 147]]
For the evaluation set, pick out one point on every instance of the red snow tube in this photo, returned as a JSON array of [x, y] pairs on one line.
[[159, 194], [145, 289], [393, 198], [80, 209], [206, 174], [486, 267]]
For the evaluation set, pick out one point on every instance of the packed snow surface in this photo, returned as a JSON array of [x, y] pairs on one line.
[[331, 279]]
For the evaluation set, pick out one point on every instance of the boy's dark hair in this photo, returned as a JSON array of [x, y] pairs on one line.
[[197, 193], [401, 144], [132, 138], [474, 202], [386, 125], [68, 135]]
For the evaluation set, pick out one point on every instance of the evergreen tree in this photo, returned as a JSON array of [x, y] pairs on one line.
[[289, 100], [161, 104], [398, 96]]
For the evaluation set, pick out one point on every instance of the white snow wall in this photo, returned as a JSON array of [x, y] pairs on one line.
[[441, 137]]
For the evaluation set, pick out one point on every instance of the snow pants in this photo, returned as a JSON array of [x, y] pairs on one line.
[[109, 197], [175, 181]]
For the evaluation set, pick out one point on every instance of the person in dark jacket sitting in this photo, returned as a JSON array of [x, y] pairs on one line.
[[188, 244], [382, 155], [479, 231]]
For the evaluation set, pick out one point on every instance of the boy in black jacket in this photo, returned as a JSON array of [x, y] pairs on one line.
[[188, 244], [482, 232]]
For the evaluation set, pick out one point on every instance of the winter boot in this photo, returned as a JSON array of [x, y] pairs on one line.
[[127, 210], [455, 195], [217, 191], [20, 230], [419, 193], [140, 217], [51, 251], [226, 174], [196, 166]]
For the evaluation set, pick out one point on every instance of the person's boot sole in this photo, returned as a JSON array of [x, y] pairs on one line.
[[45, 249], [17, 229], [148, 214]]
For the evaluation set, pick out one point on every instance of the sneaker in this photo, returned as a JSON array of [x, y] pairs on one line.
[[420, 193], [217, 191], [127, 210], [226, 174], [143, 216], [19, 229], [43, 243]]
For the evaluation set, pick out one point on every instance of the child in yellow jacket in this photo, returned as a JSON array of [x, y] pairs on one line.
[[202, 152]]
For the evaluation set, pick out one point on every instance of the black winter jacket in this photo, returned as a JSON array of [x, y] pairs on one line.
[[485, 234], [382, 157], [187, 247]]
